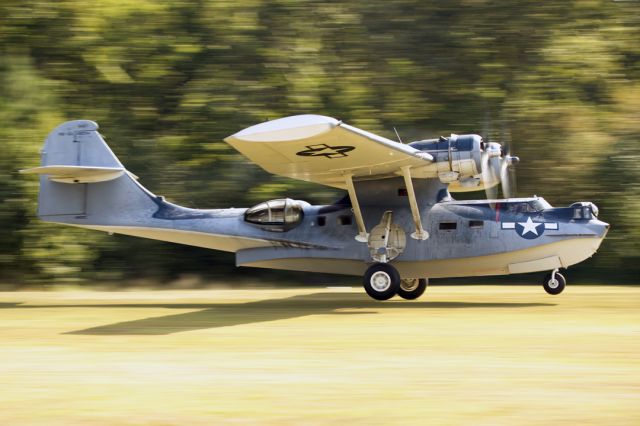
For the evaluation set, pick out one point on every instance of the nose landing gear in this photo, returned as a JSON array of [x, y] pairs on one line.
[[554, 282]]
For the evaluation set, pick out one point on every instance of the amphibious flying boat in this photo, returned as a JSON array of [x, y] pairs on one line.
[[396, 226]]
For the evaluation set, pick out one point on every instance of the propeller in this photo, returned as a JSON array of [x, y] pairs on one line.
[[491, 169], [507, 168], [498, 168]]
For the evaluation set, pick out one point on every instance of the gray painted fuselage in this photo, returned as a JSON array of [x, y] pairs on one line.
[[478, 244]]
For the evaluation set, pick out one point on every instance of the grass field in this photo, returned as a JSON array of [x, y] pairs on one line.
[[477, 355]]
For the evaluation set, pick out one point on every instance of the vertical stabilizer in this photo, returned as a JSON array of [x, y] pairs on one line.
[[81, 179], [78, 143]]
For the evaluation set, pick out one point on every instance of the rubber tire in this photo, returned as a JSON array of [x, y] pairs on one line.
[[562, 283], [415, 293], [389, 292]]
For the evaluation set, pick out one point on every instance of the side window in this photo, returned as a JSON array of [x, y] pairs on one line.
[[581, 211], [476, 224], [322, 220], [448, 226], [577, 213], [344, 220]]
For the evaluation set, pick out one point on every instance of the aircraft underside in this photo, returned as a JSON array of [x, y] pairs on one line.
[[561, 254]]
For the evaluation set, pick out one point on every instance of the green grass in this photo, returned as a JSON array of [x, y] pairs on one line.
[[481, 355]]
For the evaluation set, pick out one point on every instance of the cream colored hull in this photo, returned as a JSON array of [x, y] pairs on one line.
[[546, 257], [560, 254]]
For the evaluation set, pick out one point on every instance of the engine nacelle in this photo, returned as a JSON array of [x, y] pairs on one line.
[[458, 160], [467, 163]]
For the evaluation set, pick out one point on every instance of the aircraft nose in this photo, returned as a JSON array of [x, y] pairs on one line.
[[601, 228]]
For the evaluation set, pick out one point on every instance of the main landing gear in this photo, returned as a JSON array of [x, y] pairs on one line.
[[554, 282], [412, 288], [382, 281]]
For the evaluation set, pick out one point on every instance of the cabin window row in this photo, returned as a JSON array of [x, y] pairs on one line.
[[443, 226], [452, 226]]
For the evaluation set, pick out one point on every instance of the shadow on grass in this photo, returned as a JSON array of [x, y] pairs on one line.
[[216, 315]]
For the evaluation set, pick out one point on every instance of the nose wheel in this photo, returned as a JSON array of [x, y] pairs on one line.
[[381, 281], [554, 283]]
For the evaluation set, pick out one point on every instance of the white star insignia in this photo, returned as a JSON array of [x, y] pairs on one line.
[[529, 226]]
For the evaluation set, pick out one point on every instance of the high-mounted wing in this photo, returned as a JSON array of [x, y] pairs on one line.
[[324, 150]]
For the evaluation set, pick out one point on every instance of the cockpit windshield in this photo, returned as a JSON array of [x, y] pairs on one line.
[[530, 206], [539, 204]]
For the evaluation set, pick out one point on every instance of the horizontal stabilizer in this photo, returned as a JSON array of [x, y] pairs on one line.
[[77, 174]]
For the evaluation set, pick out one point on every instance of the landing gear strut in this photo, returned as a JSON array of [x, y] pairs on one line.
[[412, 288], [381, 281], [554, 282]]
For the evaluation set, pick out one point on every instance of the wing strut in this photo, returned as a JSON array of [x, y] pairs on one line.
[[362, 236], [420, 233]]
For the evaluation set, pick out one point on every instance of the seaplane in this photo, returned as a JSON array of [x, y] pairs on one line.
[[396, 226]]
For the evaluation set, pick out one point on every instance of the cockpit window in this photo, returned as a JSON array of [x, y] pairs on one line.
[[577, 213], [533, 206], [520, 208], [275, 215], [539, 205]]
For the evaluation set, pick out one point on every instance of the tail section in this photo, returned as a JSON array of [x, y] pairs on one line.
[[83, 182]]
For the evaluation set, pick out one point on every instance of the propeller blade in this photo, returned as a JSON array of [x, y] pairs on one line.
[[505, 179], [488, 177], [508, 163], [508, 175], [513, 181]]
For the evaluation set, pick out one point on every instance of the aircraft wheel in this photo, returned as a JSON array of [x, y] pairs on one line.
[[412, 288], [381, 281], [554, 285]]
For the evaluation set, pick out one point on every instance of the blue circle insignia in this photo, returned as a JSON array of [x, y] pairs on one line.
[[530, 230]]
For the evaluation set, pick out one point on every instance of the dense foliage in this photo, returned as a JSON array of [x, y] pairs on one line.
[[167, 81]]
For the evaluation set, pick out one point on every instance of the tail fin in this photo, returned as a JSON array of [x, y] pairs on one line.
[[82, 181]]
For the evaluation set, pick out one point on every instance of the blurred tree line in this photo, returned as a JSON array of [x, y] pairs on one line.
[[168, 81]]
